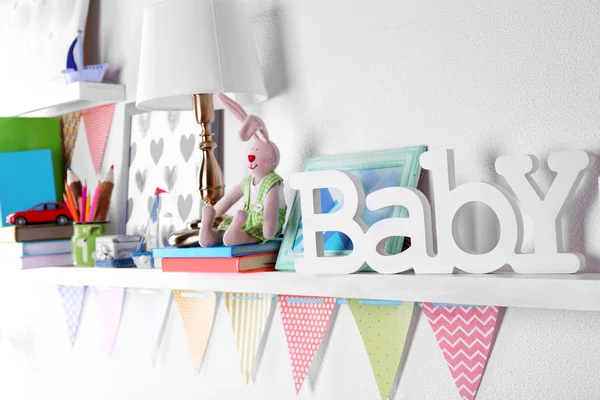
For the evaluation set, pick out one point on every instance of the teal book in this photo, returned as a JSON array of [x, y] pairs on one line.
[[217, 251], [26, 179], [23, 134]]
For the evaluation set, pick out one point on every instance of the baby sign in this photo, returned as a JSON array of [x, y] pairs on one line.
[[368, 243]]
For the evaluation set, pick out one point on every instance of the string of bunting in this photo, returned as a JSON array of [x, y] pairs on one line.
[[464, 333]]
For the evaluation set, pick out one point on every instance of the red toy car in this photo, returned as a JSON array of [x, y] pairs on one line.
[[41, 213]]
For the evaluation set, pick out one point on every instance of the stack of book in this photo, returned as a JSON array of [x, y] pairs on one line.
[[236, 259], [36, 246]]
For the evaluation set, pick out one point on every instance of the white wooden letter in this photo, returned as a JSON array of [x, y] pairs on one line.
[[569, 167], [417, 226], [448, 200], [346, 220]]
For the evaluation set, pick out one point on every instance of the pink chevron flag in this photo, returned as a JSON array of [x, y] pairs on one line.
[[465, 335], [97, 122], [305, 320]]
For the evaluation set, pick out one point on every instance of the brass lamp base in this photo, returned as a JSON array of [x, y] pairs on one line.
[[190, 236], [210, 175]]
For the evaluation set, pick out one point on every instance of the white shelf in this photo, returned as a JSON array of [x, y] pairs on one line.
[[569, 292], [58, 99]]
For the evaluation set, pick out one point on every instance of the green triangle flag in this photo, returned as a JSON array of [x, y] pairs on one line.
[[383, 326]]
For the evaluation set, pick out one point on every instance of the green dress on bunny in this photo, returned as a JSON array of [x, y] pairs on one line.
[[254, 224]]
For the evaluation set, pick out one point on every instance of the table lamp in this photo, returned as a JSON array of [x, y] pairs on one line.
[[191, 49]]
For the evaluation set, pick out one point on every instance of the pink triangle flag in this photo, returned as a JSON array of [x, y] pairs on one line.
[[111, 304], [465, 335], [97, 122], [305, 321], [72, 298]]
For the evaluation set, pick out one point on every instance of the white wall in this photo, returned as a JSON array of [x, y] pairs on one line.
[[484, 78]]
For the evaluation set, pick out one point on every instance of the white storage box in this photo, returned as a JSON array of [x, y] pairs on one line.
[[115, 247]]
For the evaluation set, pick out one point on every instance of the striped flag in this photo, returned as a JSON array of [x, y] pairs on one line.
[[249, 313], [97, 122], [465, 335]]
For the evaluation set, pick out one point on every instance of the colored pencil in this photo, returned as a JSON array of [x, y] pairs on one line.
[[75, 184], [93, 204], [87, 207], [105, 192], [82, 214], [72, 203], [66, 199]]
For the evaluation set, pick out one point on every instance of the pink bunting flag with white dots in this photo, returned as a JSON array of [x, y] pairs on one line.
[[305, 321]]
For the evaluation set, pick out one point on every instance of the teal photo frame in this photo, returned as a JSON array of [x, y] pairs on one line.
[[376, 170]]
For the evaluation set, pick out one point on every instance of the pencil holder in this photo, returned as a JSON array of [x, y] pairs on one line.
[[83, 241]]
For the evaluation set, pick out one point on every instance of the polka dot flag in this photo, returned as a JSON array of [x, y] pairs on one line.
[[197, 310], [383, 328], [305, 321], [72, 298]]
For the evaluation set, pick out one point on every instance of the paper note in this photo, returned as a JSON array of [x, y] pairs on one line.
[[26, 179], [197, 310], [465, 335], [111, 305], [305, 321], [69, 124], [249, 313], [97, 122], [72, 299], [383, 327]]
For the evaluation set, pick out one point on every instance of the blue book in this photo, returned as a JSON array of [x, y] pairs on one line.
[[26, 179], [46, 248], [218, 251]]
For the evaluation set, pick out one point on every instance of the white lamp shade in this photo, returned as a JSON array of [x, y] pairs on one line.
[[197, 46]]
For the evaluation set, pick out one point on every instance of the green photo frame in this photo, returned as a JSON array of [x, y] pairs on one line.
[[376, 170]]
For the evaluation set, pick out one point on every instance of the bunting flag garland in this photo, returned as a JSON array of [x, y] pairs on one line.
[[69, 124], [305, 321], [383, 326], [197, 310], [97, 122], [465, 335], [249, 313], [111, 304], [72, 299]]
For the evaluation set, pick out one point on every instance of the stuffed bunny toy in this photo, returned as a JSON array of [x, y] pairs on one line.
[[263, 215]]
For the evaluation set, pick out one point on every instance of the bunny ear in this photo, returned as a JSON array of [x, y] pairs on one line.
[[253, 125], [233, 107]]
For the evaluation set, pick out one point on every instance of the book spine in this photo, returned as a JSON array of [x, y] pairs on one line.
[[225, 265], [193, 253]]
